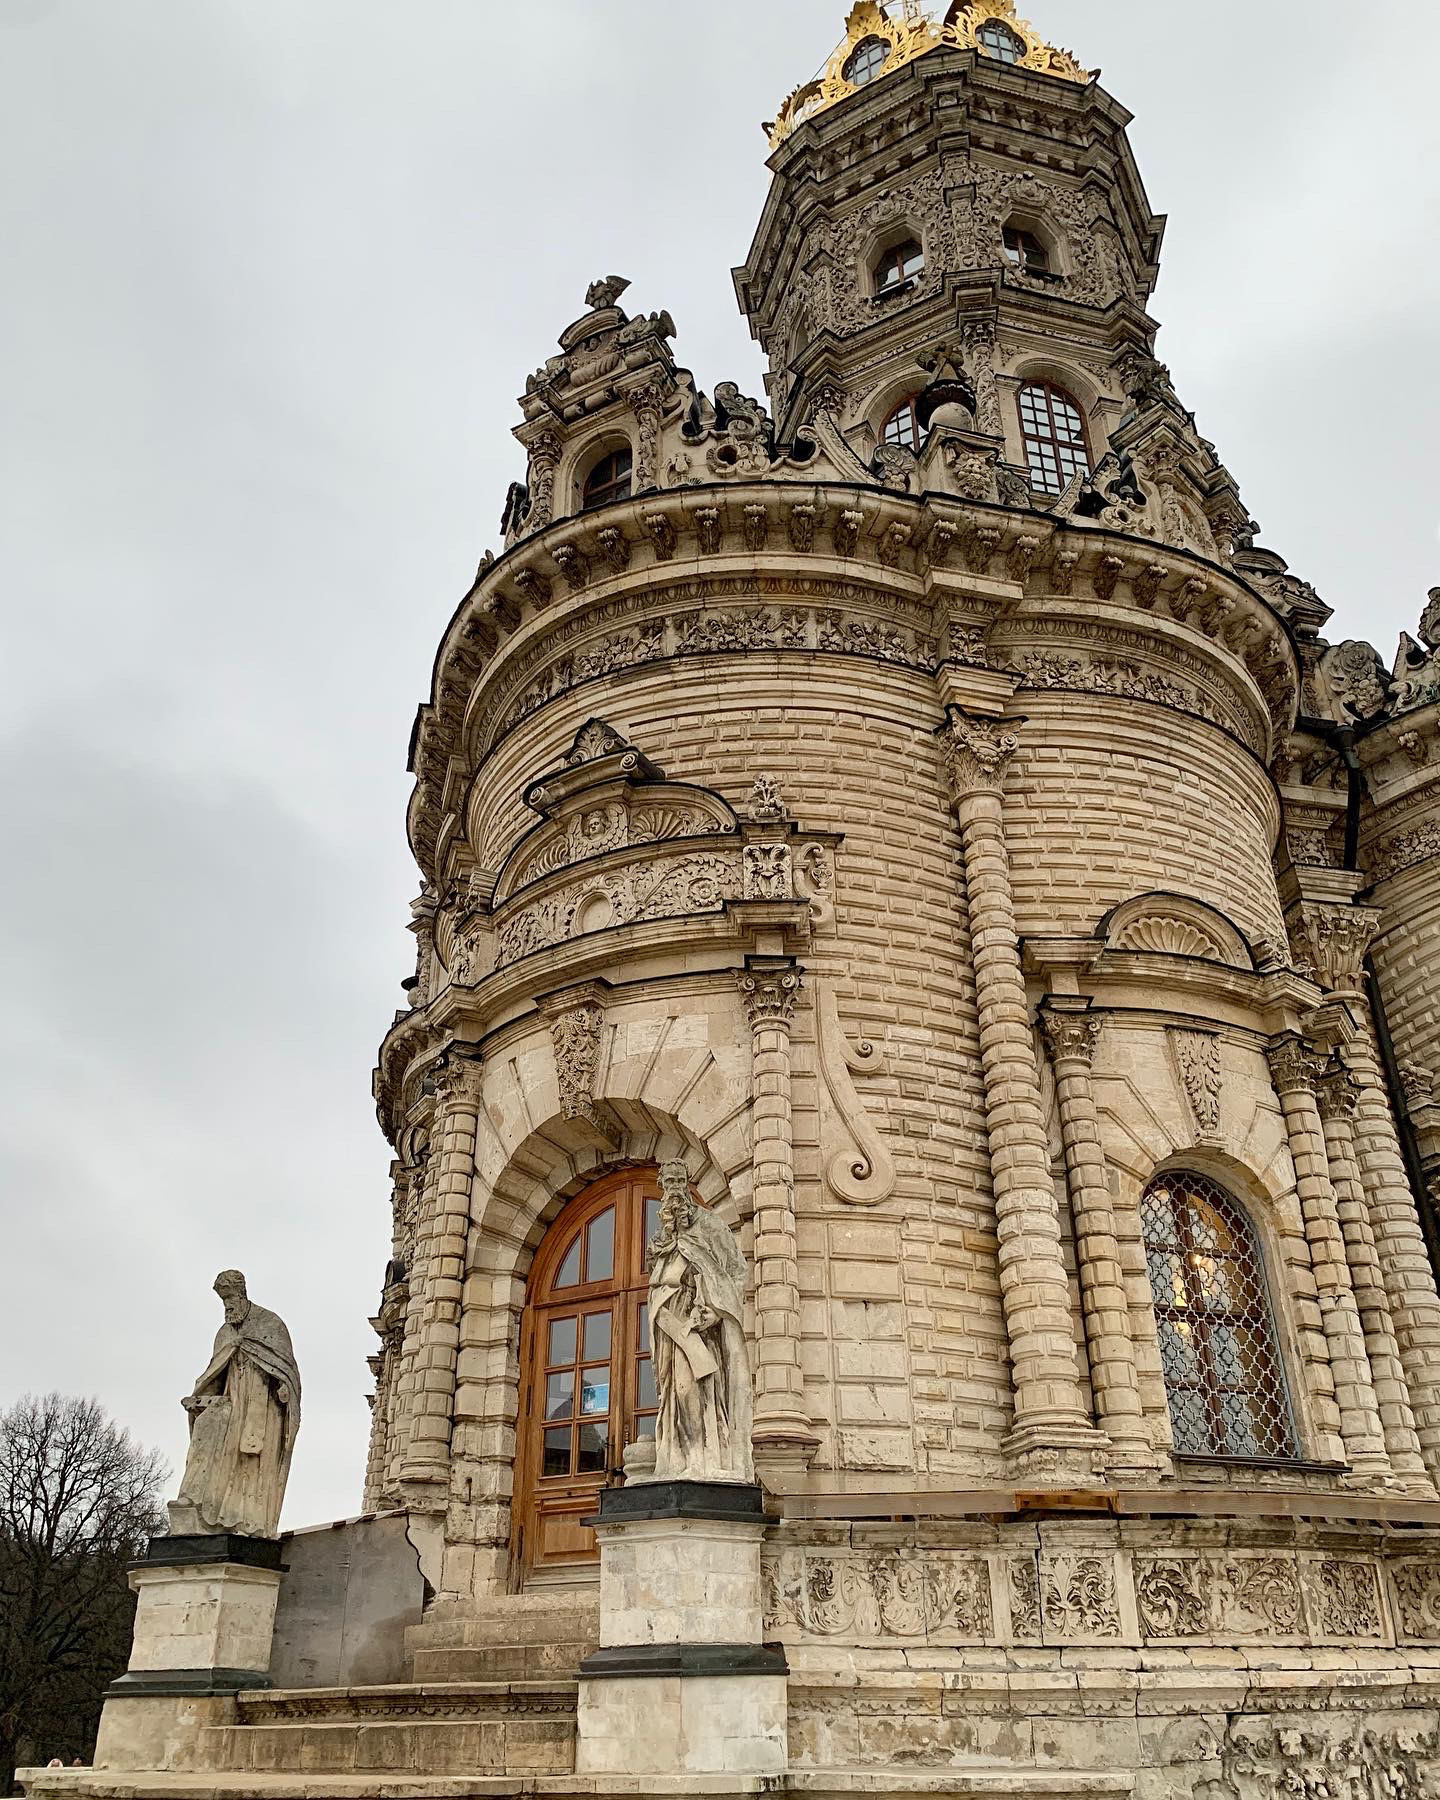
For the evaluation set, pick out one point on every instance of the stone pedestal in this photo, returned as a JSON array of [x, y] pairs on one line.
[[681, 1684], [204, 1619]]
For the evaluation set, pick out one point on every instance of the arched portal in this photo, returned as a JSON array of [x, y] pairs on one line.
[[587, 1386]]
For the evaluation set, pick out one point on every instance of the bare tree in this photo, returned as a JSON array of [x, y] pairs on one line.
[[78, 1501]]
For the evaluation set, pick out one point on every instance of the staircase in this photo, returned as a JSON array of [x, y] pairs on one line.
[[489, 1728]]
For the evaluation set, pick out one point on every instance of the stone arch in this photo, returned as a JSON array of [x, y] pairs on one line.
[[884, 397], [581, 458], [1143, 1138], [531, 1159]]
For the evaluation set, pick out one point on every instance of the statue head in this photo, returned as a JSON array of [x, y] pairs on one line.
[[230, 1286], [676, 1206]]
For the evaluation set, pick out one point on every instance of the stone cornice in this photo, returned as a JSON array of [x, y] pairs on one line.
[[884, 564]]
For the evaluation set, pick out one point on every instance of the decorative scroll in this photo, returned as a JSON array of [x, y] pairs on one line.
[[863, 1175]]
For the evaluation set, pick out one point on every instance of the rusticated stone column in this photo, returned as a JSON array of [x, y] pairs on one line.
[[1071, 1033], [1296, 1070], [783, 1430], [1050, 1412], [1339, 1097], [1400, 1243], [422, 1181], [426, 1464]]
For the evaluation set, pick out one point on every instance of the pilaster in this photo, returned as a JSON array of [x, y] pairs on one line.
[[1295, 1069], [1072, 1030], [784, 1436], [1050, 1414]]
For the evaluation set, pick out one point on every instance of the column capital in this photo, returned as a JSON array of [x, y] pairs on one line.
[[1295, 1067], [1330, 942], [1072, 1030], [769, 987], [457, 1076], [977, 751], [1338, 1093]]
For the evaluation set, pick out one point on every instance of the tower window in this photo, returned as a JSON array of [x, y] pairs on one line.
[[610, 479], [899, 265], [902, 427], [1026, 251], [871, 56], [1053, 430], [1001, 42], [1217, 1337]]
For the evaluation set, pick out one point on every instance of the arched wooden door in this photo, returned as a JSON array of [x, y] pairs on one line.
[[587, 1386]]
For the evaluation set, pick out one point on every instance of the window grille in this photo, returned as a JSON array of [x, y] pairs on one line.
[[902, 427], [1053, 430], [1217, 1337]]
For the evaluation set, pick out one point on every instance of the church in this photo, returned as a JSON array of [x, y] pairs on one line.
[[916, 1121]]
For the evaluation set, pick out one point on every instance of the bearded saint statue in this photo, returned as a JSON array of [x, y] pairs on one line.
[[244, 1414], [702, 1365]]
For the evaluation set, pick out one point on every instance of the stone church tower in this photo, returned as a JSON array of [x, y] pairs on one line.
[[920, 807]]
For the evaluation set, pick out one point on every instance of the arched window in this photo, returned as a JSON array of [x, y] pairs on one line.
[[999, 41], [587, 1387], [1053, 429], [869, 58], [610, 479], [900, 264], [1217, 1336], [902, 427], [1026, 251]]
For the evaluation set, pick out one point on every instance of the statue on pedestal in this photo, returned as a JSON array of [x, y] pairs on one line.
[[244, 1415], [702, 1365]]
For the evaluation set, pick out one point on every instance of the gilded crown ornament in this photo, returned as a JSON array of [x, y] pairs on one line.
[[878, 41]]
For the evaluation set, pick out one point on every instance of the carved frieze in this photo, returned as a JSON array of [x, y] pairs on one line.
[[667, 886], [882, 1595]]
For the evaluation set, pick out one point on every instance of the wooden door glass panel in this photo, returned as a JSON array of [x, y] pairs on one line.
[[589, 1384]]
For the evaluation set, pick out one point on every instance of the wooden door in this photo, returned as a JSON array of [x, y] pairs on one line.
[[587, 1384]]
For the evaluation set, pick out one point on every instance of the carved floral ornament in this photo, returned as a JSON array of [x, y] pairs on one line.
[[482, 678], [905, 33]]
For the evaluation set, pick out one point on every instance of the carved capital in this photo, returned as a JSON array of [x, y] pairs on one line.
[[457, 1079], [1331, 942], [1338, 1093], [766, 802], [976, 752], [1071, 1034], [769, 990], [1294, 1066]]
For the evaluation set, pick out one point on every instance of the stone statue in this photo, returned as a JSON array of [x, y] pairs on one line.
[[702, 1366], [244, 1414]]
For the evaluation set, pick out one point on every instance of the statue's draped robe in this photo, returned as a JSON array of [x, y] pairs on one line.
[[243, 1435], [702, 1365]]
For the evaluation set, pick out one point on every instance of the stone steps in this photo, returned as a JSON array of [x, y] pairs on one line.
[[502, 1662], [504, 1729]]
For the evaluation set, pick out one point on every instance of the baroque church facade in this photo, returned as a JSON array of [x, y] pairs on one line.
[[920, 806]]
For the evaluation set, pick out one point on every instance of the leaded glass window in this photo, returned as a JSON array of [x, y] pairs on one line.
[[1217, 1336], [1053, 429], [1001, 42], [869, 59]]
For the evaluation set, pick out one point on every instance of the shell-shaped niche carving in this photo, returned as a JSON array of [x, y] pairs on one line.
[[1174, 925], [861, 1171]]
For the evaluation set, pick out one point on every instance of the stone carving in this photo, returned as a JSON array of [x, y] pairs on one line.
[[767, 872], [1023, 1577], [1264, 1596], [1172, 1597], [769, 995], [1356, 678], [1343, 1599], [605, 293], [1170, 934], [1418, 1086], [244, 1416], [863, 1171], [575, 1034], [1335, 1759], [1078, 1597], [667, 889], [766, 805], [1129, 681], [1416, 1586], [976, 751], [890, 1594], [1330, 944], [702, 1366], [1197, 1057], [1398, 854]]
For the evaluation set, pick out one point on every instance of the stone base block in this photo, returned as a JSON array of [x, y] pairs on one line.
[[195, 1618], [680, 1725], [159, 1731], [680, 1564]]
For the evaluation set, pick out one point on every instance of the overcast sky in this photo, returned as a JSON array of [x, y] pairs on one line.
[[273, 274]]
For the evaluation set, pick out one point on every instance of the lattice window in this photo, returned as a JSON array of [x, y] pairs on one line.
[[902, 427], [1217, 1335], [869, 59], [1001, 42], [1053, 429]]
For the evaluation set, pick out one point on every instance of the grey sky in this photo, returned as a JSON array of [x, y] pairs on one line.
[[274, 271]]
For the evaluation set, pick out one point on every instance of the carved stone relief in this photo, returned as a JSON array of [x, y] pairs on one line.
[[862, 1170], [1197, 1062]]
